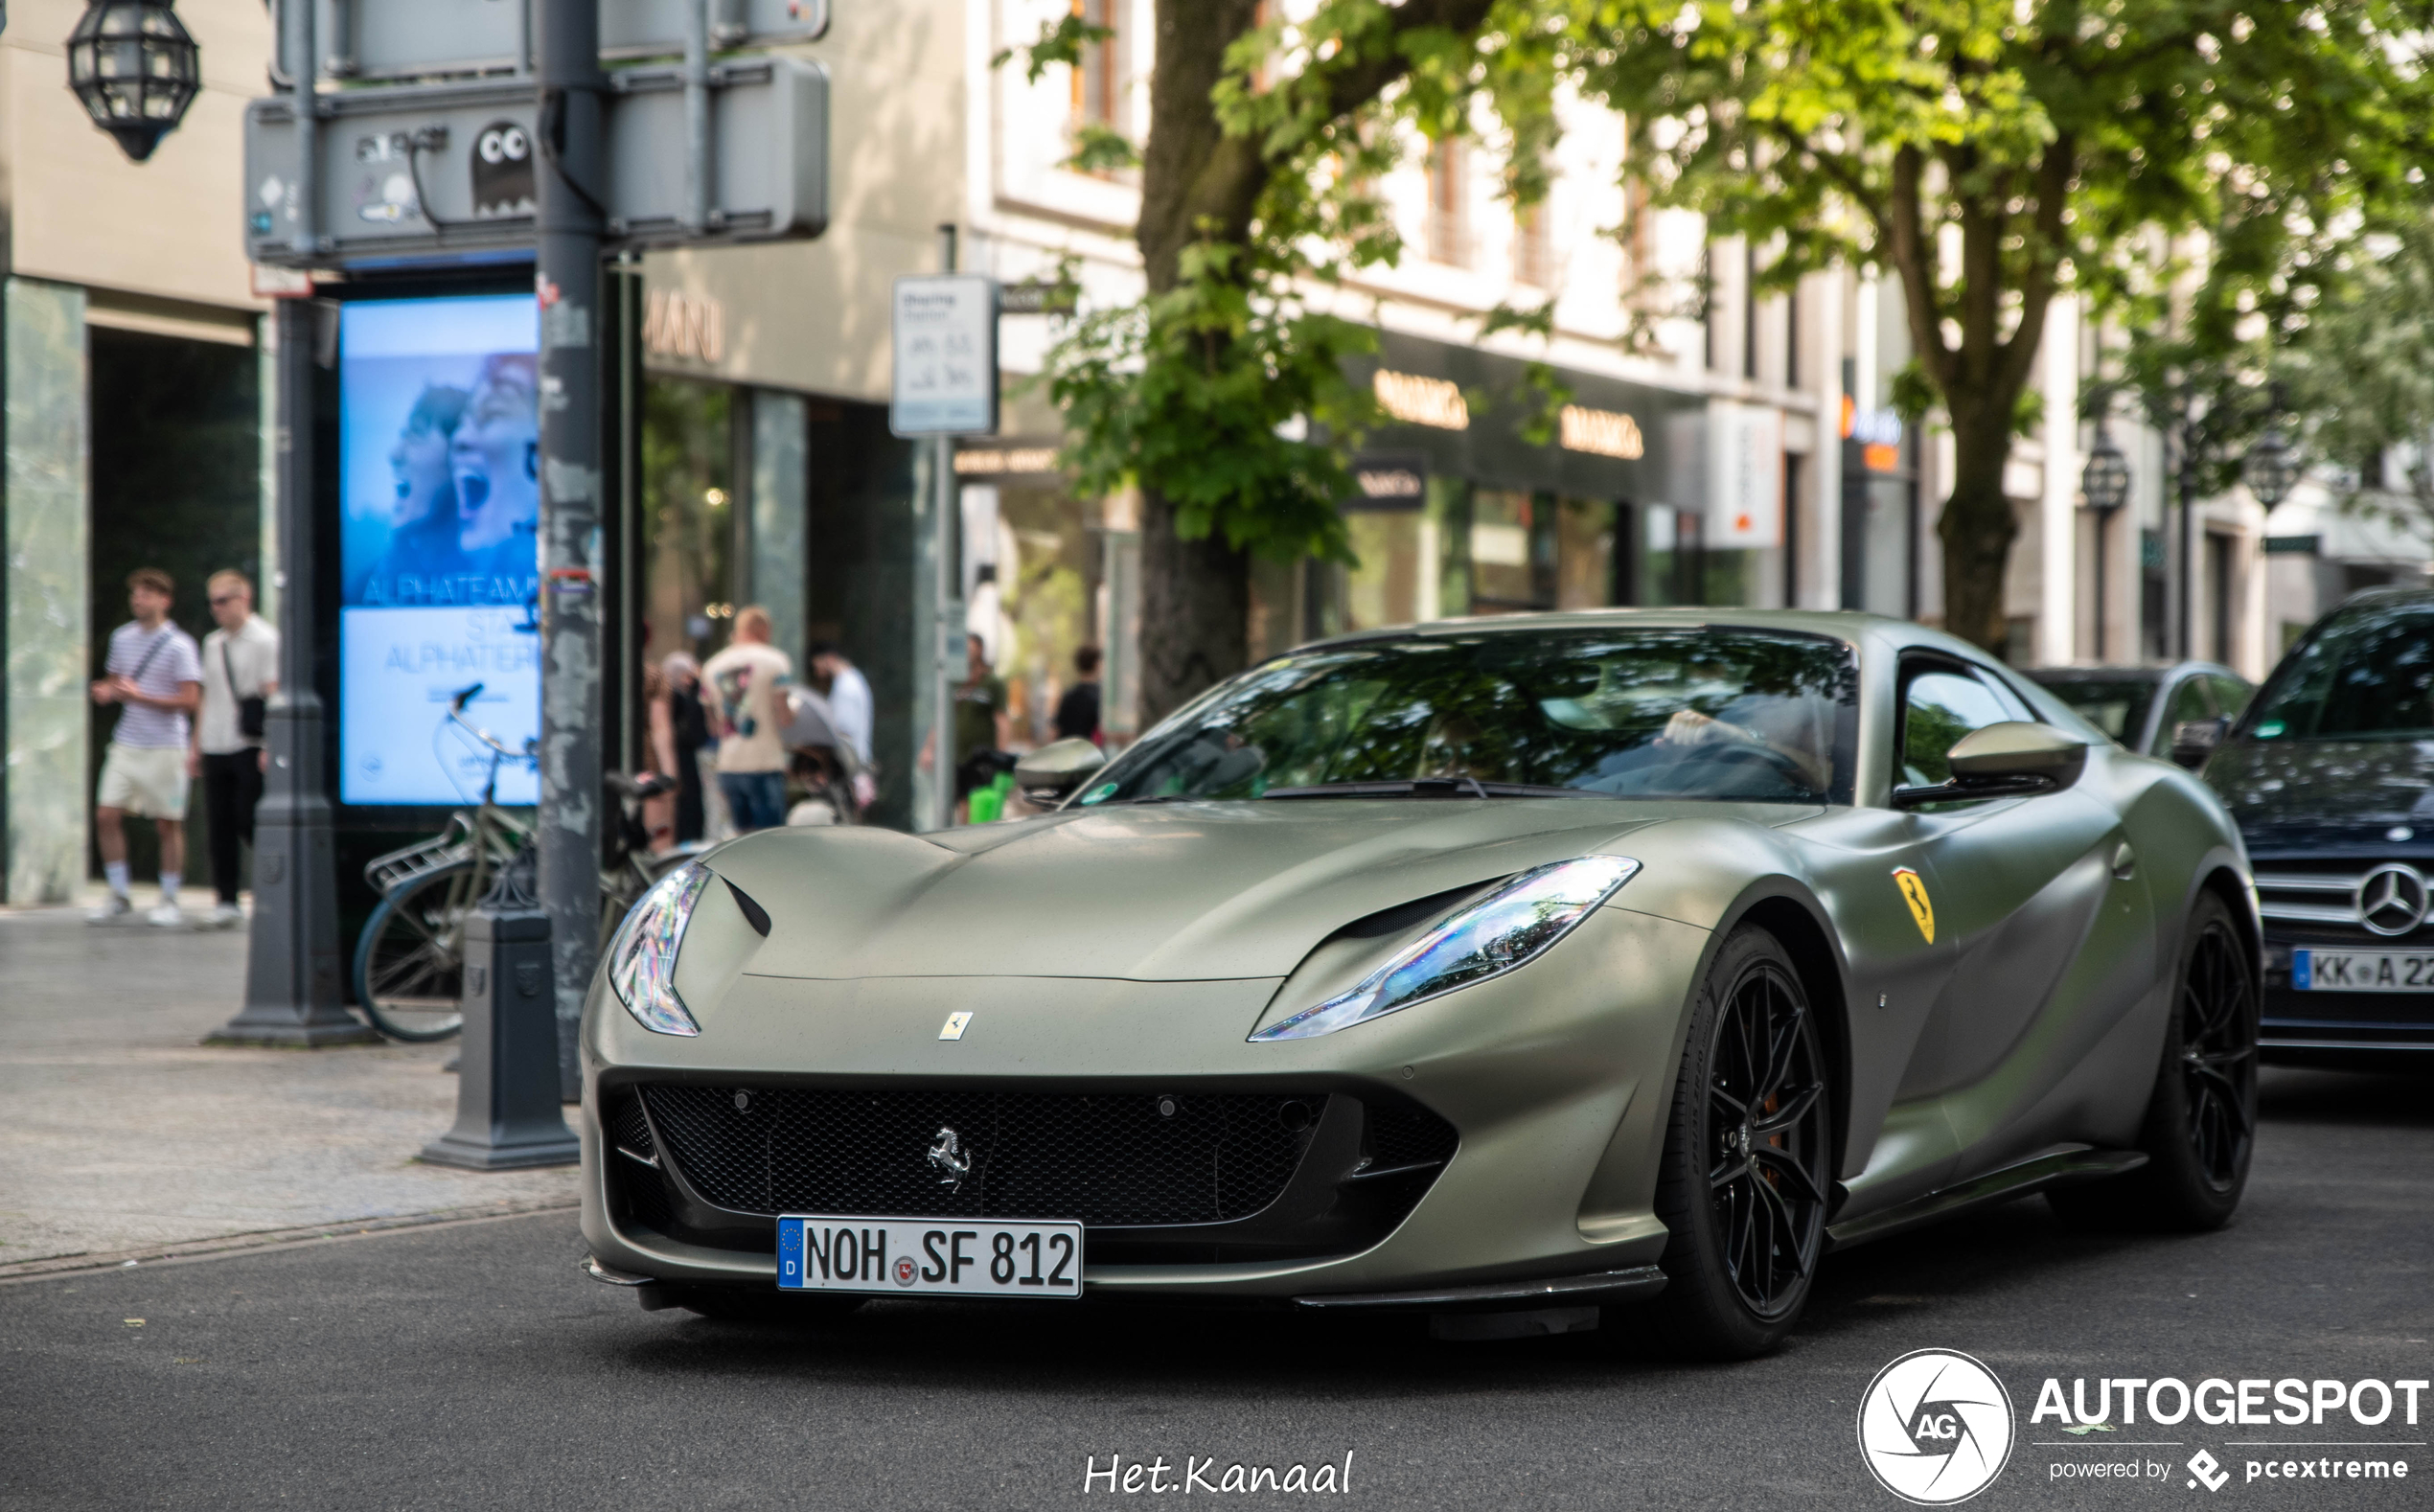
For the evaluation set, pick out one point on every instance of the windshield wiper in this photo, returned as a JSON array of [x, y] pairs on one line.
[[1431, 788]]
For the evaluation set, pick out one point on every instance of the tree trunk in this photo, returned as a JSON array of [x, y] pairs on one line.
[[1977, 528], [1195, 611], [1195, 180]]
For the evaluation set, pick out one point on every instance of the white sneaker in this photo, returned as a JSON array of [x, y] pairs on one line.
[[223, 916], [115, 911], [167, 916]]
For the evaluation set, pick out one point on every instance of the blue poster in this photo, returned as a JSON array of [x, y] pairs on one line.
[[439, 439]]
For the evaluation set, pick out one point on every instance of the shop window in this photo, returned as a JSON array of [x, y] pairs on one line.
[[1584, 554], [1391, 584], [1513, 550], [1447, 237], [1044, 563], [1669, 566], [688, 524], [2222, 557]]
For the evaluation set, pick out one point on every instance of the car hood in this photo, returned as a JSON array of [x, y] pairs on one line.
[[1166, 892], [2286, 792]]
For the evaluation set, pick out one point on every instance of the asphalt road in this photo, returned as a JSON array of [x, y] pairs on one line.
[[470, 1365]]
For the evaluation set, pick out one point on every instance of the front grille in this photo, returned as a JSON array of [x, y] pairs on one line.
[[1130, 1159], [1407, 1134], [2318, 898]]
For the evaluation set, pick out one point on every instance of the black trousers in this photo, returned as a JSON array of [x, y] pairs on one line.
[[232, 789]]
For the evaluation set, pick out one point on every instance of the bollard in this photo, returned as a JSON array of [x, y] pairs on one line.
[[506, 1116]]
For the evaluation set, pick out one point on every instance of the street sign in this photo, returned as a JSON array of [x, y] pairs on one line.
[[375, 39], [946, 356], [423, 174]]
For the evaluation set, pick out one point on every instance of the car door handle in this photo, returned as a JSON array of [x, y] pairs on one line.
[[2124, 862]]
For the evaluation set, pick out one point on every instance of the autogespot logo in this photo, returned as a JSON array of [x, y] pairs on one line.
[[1934, 1427]]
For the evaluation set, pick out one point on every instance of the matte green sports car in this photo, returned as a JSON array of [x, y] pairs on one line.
[[1505, 970]]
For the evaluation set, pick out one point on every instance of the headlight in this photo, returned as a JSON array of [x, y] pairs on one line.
[[642, 959], [1506, 929]]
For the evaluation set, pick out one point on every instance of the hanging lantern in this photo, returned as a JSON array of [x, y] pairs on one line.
[[136, 69], [2271, 467], [2105, 481]]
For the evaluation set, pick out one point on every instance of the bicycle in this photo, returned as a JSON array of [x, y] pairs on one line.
[[410, 962]]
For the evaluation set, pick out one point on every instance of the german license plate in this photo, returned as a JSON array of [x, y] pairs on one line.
[[928, 1256], [2361, 972]]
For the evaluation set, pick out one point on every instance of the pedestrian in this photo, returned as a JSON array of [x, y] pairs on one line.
[[156, 677], [1077, 713], [748, 679], [850, 710], [240, 672], [689, 730]]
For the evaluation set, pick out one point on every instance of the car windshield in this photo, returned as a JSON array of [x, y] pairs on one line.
[[2368, 676], [1752, 715], [2116, 707]]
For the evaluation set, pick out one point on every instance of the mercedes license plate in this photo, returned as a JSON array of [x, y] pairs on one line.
[[2361, 972], [928, 1256]]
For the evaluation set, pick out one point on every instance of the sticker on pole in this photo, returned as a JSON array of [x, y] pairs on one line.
[[946, 356]]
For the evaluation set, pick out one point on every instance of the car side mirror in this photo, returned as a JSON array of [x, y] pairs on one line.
[[2195, 740], [2009, 759], [1051, 773]]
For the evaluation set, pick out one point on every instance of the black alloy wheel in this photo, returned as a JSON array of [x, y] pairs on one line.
[[2218, 1057], [1766, 1098], [1748, 1158]]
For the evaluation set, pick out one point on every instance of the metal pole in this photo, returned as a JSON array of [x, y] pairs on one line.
[[2188, 486], [946, 594], [293, 996], [569, 282], [305, 195], [697, 116], [2103, 519]]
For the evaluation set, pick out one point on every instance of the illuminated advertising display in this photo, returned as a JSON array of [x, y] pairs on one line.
[[439, 484]]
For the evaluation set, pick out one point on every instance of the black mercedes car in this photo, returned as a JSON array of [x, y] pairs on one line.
[[2330, 774]]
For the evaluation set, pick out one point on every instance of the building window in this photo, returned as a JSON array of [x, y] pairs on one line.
[[1447, 233], [1098, 84], [1531, 262]]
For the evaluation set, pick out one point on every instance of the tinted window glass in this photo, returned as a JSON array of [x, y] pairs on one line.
[[2370, 676], [1749, 715], [2115, 706], [2231, 694], [1940, 708]]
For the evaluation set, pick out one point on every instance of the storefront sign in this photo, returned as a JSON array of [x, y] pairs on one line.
[[1878, 433], [1417, 401], [946, 356], [995, 461], [2293, 545], [1603, 431], [1392, 479], [1745, 475], [691, 325]]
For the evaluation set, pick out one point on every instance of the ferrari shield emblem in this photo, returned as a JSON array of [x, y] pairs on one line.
[[1914, 892]]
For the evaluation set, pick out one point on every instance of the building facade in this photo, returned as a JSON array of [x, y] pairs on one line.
[[1744, 452]]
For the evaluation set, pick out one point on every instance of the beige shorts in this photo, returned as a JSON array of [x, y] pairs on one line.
[[149, 780]]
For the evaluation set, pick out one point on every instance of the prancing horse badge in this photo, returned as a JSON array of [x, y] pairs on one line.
[[953, 1027]]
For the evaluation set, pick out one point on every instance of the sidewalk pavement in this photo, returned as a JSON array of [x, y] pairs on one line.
[[121, 1138]]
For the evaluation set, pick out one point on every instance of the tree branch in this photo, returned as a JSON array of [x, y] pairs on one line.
[[1914, 259]]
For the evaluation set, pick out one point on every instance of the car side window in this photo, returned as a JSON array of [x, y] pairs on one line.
[[2231, 694], [1939, 706], [2193, 699]]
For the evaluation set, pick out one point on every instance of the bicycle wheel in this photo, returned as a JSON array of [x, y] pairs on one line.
[[410, 966]]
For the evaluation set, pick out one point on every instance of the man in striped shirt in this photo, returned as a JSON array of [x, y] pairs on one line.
[[155, 676]]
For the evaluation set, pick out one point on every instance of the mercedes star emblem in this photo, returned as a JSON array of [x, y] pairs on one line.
[[2392, 899]]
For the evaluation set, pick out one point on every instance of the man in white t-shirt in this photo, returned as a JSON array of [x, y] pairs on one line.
[[746, 687], [851, 710], [155, 676], [241, 665]]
